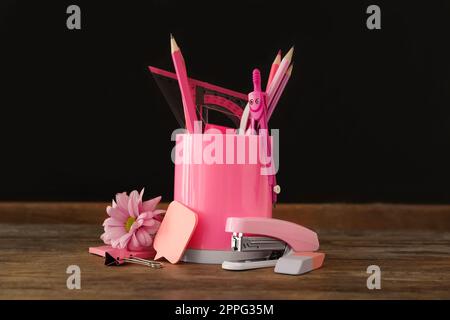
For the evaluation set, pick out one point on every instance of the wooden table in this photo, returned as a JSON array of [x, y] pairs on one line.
[[411, 245]]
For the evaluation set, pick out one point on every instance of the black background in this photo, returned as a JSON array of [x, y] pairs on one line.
[[365, 116]]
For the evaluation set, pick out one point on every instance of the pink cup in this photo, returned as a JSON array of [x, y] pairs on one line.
[[216, 190]]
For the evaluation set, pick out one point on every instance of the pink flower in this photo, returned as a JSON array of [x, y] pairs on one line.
[[132, 223]]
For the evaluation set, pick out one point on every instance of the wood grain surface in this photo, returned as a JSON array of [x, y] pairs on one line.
[[411, 244]]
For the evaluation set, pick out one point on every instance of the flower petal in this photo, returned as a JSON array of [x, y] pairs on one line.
[[145, 216], [113, 222], [121, 242], [152, 229], [133, 204], [122, 201], [150, 205], [116, 213], [158, 211], [149, 222], [141, 196], [136, 225], [144, 238], [139, 222], [105, 237], [134, 243], [115, 232], [155, 215]]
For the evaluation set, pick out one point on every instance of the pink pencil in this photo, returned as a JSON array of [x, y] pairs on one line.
[[279, 75], [188, 101], [280, 90], [273, 69]]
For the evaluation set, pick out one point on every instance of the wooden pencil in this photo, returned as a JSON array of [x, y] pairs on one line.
[[279, 75], [279, 92], [274, 68], [188, 101]]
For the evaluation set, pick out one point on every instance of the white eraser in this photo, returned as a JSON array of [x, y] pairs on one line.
[[297, 263]]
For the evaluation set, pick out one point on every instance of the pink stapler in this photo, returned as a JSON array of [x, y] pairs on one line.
[[290, 247]]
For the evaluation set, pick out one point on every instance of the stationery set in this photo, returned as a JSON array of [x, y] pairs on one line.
[[222, 209]]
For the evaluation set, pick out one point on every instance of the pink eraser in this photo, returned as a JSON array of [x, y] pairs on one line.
[[175, 231]]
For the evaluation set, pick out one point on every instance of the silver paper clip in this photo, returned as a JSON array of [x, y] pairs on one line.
[[110, 260], [149, 263]]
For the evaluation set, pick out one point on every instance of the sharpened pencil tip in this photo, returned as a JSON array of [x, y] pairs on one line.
[[277, 58], [289, 54], [289, 71], [173, 44]]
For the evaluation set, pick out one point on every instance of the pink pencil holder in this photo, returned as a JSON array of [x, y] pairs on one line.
[[217, 177]]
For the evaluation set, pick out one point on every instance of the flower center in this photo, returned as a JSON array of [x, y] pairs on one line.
[[129, 223]]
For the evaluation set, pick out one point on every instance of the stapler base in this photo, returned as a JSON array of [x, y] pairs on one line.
[[219, 256]]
